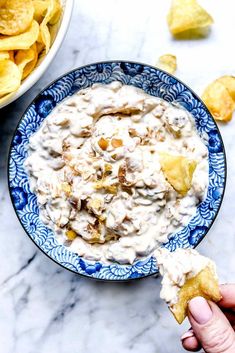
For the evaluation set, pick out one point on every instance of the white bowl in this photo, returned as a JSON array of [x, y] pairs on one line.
[[43, 65]]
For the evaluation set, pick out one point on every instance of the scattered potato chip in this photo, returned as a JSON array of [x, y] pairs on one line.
[[10, 77], [167, 63], [204, 284], [219, 102], [15, 16], [40, 9], [21, 41], [229, 83], [185, 15], [178, 171]]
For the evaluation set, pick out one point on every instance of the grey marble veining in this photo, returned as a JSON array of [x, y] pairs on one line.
[[46, 309]]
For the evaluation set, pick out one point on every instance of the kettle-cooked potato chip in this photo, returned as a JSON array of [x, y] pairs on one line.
[[218, 100], [167, 63], [40, 9], [26, 60], [10, 77], [185, 15], [56, 13], [27, 27], [178, 171], [15, 16], [204, 284], [32, 63], [51, 15], [229, 83], [20, 41]]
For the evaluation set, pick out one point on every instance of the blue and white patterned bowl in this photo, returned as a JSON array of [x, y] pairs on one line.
[[154, 82]]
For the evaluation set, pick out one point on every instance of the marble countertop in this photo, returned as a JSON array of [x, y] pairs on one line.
[[46, 309]]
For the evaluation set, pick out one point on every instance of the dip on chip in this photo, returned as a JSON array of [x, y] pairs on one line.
[[186, 274], [186, 15], [219, 98], [167, 63]]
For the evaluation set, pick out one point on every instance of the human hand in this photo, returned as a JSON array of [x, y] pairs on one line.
[[213, 325]]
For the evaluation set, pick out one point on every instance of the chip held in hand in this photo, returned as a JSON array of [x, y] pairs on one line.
[[186, 275]]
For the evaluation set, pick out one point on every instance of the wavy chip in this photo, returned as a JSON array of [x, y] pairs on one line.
[[26, 60], [21, 41], [204, 284], [167, 63], [229, 83], [178, 171], [40, 9], [186, 15], [15, 16], [52, 15], [218, 99], [10, 77]]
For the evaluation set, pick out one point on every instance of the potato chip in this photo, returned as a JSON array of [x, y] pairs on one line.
[[229, 83], [10, 77], [15, 16], [21, 41], [167, 63], [31, 64], [26, 60], [185, 15], [178, 171], [56, 13], [51, 15], [40, 9], [204, 284], [4, 55], [219, 102]]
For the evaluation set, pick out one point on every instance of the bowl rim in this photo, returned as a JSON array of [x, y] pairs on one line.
[[156, 273], [38, 72]]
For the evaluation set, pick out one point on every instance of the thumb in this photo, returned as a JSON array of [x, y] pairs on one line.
[[211, 327]]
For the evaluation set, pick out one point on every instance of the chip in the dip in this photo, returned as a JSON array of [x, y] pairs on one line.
[[27, 29], [219, 98], [186, 274], [112, 169], [187, 15], [178, 171], [167, 62]]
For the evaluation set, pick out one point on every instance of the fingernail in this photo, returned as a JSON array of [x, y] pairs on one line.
[[187, 334], [200, 310]]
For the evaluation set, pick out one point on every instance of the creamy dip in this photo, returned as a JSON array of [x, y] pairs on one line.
[[95, 168], [177, 267]]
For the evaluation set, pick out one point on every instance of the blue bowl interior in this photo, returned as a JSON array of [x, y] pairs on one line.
[[155, 82]]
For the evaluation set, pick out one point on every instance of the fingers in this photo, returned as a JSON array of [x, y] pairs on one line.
[[211, 327], [228, 293], [190, 342]]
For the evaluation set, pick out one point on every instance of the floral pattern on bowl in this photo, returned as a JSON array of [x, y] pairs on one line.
[[154, 82]]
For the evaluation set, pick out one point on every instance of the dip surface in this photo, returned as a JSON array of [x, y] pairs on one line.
[[95, 166]]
